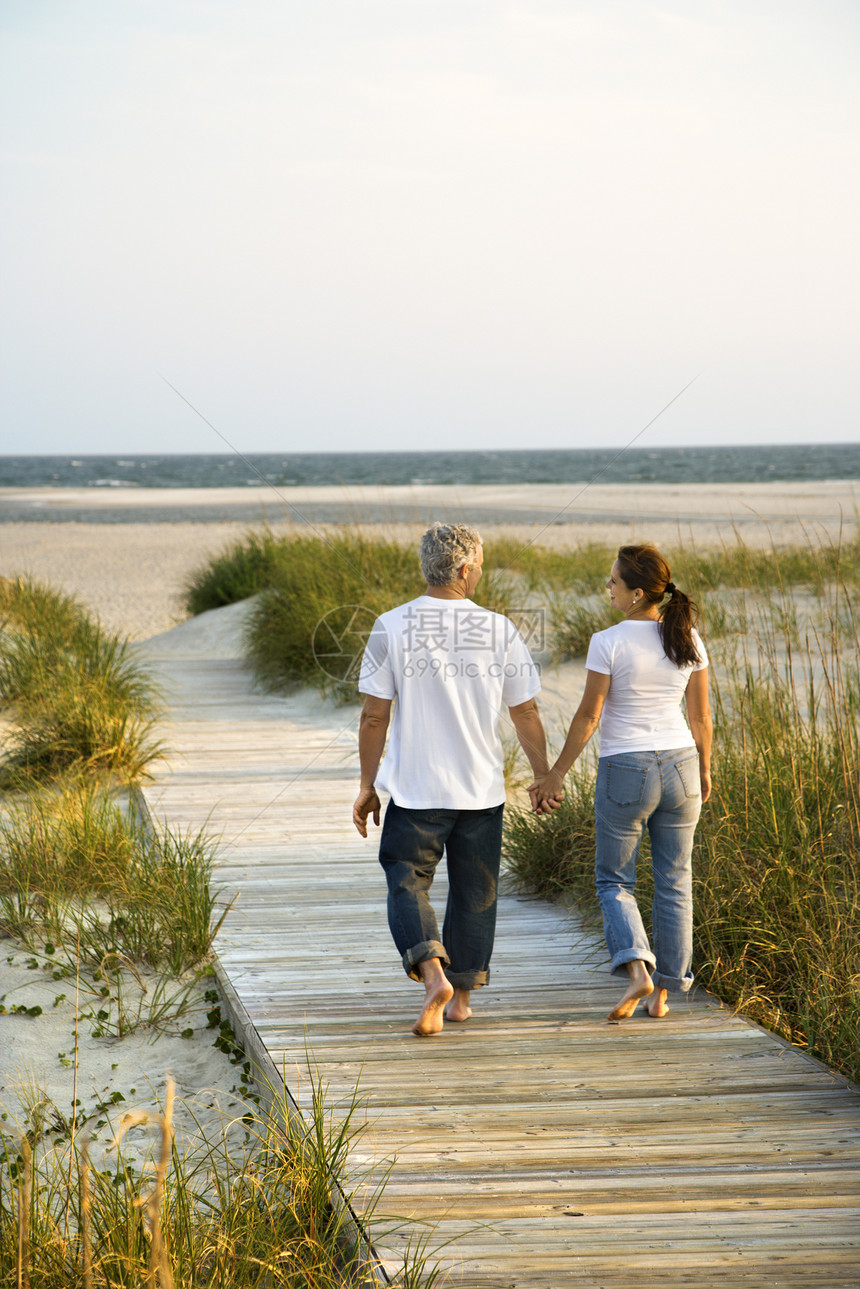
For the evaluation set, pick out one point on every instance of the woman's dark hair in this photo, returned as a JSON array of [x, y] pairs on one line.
[[644, 568]]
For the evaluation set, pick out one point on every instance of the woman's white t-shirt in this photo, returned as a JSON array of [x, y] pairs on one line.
[[642, 712], [450, 666]]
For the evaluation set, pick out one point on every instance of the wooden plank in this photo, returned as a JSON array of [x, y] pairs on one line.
[[551, 1147]]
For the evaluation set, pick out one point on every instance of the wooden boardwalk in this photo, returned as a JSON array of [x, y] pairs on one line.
[[550, 1147]]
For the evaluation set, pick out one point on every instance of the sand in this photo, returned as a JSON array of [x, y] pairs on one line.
[[128, 552]]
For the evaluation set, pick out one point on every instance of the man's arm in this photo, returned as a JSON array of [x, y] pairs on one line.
[[372, 729], [530, 732], [701, 725]]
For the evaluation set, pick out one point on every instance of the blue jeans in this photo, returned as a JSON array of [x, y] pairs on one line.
[[659, 791], [410, 848]]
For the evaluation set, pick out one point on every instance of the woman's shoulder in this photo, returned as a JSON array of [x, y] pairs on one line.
[[626, 630], [607, 635]]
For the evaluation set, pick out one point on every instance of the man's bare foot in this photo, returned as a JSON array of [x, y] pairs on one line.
[[641, 985], [438, 991], [459, 1008], [656, 1005]]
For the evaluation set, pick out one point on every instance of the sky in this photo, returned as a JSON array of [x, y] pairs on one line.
[[392, 224]]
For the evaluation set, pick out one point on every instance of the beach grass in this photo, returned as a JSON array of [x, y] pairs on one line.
[[245, 566], [278, 1212], [77, 869], [79, 699], [320, 598], [305, 583]]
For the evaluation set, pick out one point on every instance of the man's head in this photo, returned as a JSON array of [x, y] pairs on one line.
[[448, 548]]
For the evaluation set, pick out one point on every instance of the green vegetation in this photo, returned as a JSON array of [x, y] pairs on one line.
[[776, 884], [314, 588], [581, 569], [214, 1218], [247, 565], [80, 701], [323, 595], [79, 874], [573, 623], [317, 598]]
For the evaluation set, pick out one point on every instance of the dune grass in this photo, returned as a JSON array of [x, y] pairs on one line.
[[317, 599], [776, 883], [79, 699], [274, 1216], [309, 626], [245, 566], [89, 879], [315, 588]]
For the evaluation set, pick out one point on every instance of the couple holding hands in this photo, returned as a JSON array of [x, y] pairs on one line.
[[437, 673]]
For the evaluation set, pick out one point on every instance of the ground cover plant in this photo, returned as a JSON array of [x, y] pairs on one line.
[[78, 698]]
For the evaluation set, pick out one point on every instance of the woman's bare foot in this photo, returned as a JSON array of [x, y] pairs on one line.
[[438, 991], [656, 1005], [459, 1008], [641, 985]]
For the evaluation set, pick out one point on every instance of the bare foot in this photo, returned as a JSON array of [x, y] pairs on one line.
[[459, 1009], [438, 991], [641, 985], [656, 1005]]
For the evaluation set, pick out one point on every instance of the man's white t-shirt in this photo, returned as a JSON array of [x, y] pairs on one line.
[[450, 666], [642, 712]]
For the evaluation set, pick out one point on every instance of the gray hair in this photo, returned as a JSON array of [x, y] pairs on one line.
[[445, 548]]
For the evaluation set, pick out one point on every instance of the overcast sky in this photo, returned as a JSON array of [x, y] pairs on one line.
[[382, 224]]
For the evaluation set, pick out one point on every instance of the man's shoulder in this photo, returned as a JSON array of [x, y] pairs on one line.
[[398, 611]]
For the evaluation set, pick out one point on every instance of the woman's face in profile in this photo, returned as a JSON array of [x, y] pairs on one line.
[[620, 595]]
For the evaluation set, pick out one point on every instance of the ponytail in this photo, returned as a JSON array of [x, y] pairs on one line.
[[677, 619], [644, 568]]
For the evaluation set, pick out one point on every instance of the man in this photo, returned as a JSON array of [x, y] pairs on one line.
[[448, 666]]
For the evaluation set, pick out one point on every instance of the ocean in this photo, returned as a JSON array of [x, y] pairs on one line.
[[314, 469]]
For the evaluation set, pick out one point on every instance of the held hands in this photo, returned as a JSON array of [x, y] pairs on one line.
[[367, 802], [546, 793]]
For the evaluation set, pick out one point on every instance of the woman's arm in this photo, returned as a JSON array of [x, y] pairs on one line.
[[585, 721], [701, 725]]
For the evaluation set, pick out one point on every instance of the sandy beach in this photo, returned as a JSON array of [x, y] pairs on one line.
[[127, 552], [118, 553]]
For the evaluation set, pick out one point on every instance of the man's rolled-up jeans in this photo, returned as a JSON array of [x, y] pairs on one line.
[[410, 848], [659, 791]]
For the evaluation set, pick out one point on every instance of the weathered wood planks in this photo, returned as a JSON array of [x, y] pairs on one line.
[[552, 1148]]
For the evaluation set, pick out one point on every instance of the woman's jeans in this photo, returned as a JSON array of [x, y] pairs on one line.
[[659, 791], [410, 848]]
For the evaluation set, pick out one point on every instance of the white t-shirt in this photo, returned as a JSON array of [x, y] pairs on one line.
[[450, 665], [642, 712]]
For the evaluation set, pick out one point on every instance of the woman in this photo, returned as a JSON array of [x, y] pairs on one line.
[[653, 771]]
